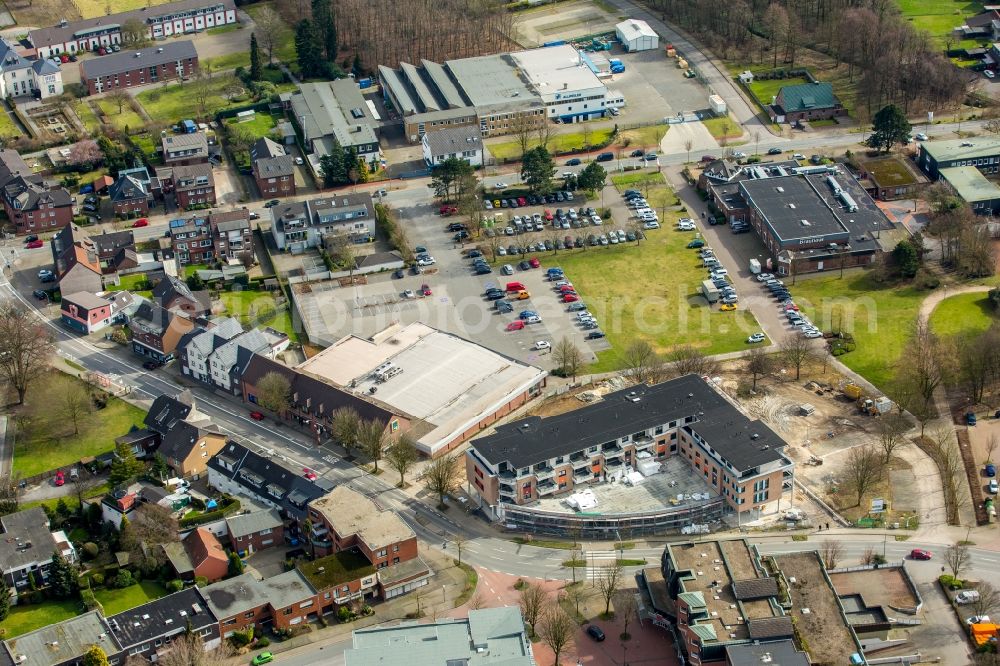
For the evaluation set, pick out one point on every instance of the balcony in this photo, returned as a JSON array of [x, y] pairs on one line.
[[613, 462], [611, 449], [544, 472], [579, 456], [507, 475]]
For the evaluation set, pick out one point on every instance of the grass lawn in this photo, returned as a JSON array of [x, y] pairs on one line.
[[191, 269], [23, 619], [938, 17], [965, 313], [889, 171], [878, 316], [666, 312], [723, 128], [285, 51], [261, 125], [230, 61], [128, 282], [93, 8], [87, 116], [51, 444], [765, 90], [658, 194], [116, 601], [126, 118], [558, 143], [149, 146], [222, 29], [7, 126], [257, 308], [172, 103], [643, 136]]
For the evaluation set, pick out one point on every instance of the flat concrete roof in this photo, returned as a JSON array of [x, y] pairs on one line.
[[792, 207], [489, 80], [970, 184], [962, 149], [350, 512], [447, 382], [556, 68]]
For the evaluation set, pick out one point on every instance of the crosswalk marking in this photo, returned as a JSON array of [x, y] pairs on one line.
[[597, 560]]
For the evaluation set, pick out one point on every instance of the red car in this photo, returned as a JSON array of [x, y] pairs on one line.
[[566, 288], [521, 201], [64, 58], [534, 263], [547, 215], [308, 473], [920, 554], [60, 480], [425, 289], [34, 245], [256, 416], [102, 51], [515, 325], [570, 298], [447, 210], [141, 222]]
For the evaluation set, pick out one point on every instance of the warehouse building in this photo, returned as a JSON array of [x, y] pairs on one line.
[[980, 152], [636, 35], [334, 112], [500, 93], [447, 387], [969, 183]]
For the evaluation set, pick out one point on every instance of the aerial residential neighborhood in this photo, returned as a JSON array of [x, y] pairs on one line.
[[581, 333]]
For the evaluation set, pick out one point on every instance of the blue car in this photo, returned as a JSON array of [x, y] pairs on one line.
[[991, 470], [524, 314]]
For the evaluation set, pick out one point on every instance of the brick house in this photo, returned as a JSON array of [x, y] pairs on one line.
[[208, 557], [273, 169], [231, 233], [31, 204], [192, 185], [156, 331], [221, 236], [185, 149], [252, 532], [115, 251], [129, 68], [284, 601], [132, 193], [806, 101], [173, 294], [88, 313], [148, 630]]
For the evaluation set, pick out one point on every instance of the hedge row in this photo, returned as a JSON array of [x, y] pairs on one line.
[[211, 516]]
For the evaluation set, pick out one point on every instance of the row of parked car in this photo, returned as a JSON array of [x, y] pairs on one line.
[[719, 275], [529, 200], [641, 210], [796, 319], [566, 293]]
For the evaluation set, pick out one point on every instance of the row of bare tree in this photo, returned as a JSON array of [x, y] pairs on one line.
[[965, 242]]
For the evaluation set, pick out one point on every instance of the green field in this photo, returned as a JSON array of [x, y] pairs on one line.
[[940, 17], [643, 136], [87, 116], [23, 619], [49, 442], [667, 310], [558, 143], [7, 126], [965, 313], [257, 308], [172, 103], [723, 128], [879, 317], [150, 146], [118, 600], [229, 61], [765, 90], [126, 118], [260, 126]]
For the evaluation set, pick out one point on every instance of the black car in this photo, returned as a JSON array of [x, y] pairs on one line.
[[503, 307], [474, 253], [573, 162], [456, 226], [595, 335], [524, 266], [638, 152], [272, 203], [774, 151], [398, 274], [483, 270], [416, 270], [151, 365], [605, 157], [461, 235], [40, 294], [494, 294], [31, 239]]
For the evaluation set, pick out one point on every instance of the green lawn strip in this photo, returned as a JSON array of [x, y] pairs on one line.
[[149, 146], [938, 17], [878, 316], [766, 89], [120, 119], [965, 313], [128, 282], [229, 61], [191, 269], [36, 453], [118, 600], [652, 185], [257, 308], [471, 580], [168, 104], [558, 143], [546, 543], [644, 136], [24, 619], [260, 126], [667, 311], [7, 126], [572, 564], [726, 127], [222, 29], [631, 562]]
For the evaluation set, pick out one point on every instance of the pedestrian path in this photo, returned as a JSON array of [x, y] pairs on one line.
[[597, 560]]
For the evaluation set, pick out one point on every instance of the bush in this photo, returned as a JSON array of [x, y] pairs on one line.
[[124, 579], [200, 581], [175, 585], [90, 602], [90, 550], [97, 579], [344, 614], [263, 642], [950, 582]]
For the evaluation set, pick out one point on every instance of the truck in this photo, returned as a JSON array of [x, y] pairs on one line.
[[755, 266], [617, 66], [709, 291], [876, 406], [852, 391]]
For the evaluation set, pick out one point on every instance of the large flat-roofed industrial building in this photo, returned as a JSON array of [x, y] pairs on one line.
[[449, 388], [498, 92], [980, 152]]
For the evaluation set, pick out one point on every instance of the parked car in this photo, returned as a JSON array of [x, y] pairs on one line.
[[920, 554], [595, 335], [573, 161], [542, 344], [967, 597], [262, 658], [40, 294], [515, 325], [774, 151], [60, 478], [605, 157], [755, 338], [272, 203], [425, 290], [34, 245], [994, 487], [141, 222]]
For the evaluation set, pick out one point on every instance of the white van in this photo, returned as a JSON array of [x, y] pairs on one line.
[[967, 597]]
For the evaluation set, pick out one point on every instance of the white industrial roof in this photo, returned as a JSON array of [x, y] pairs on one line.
[[634, 28], [447, 382], [556, 68]]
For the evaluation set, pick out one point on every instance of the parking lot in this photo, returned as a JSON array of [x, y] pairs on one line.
[[654, 88]]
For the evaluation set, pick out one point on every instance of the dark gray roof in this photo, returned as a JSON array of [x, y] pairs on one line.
[[770, 627], [755, 588], [151, 318], [742, 442], [166, 616], [250, 523], [454, 139], [264, 148], [165, 413], [777, 653], [26, 539], [63, 642], [127, 59]]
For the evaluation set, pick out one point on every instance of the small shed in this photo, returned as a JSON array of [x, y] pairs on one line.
[[636, 35]]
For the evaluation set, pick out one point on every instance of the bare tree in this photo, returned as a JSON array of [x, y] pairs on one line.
[[568, 357], [189, 650], [689, 360], [10, 494], [991, 447], [273, 31], [532, 598], [892, 430], [544, 133], [625, 609], [863, 470], [401, 455], [574, 594], [373, 437], [797, 351], [556, 630], [152, 526], [988, 601], [957, 557], [119, 98], [477, 601], [641, 363], [26, 346], [758, 364], [869, 557], [459, 539], [345, 426], [441, 476], [831, 551], [575, 556], [925, 365], [688, 144], [70, 400], [608, 579], [522, 127]]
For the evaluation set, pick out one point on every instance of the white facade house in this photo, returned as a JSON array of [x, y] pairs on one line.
[[464, 142], [567, 86], [20, 77], [636, 35]]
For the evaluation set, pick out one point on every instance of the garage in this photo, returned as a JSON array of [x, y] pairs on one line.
[[636, 35]]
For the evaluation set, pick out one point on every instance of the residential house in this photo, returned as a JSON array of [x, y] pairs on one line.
[[88, 313], [195, 348], [299, 225], [192, 240], [891, 177], [20, 77], [464, 142], [148, 631], [221, 236], [217, 354], [115, 251], [237, 470], [63, 643], [487, 637], [231, 234], [273, 169], [199, 555], [184, 149], [193, 185], [166, 20], [255, 531], [31, 204], [984, 26], [805, 101], [156, 331], [186, 438], [129, 68], [132, 193], [332, 113], [355, 541], [282, 601], [77, 261], [172, 293], [122, 502], [27, 546]]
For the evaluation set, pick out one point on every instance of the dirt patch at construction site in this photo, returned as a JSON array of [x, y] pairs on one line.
[[878, 587]]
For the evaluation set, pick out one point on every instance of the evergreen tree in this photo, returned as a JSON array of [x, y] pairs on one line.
[[124, 468], [333, 167], [115, 157], [95, 656], [537, 167], [322, 13], [593, 177], [889, 127], [62, 510], [62, 577], [235, 564], [4, 601], [309, 50], [357, 68], [256, 71], [127, 540], [905, 256]]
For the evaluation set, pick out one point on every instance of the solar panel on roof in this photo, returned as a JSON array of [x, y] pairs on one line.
[[177, 223]]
